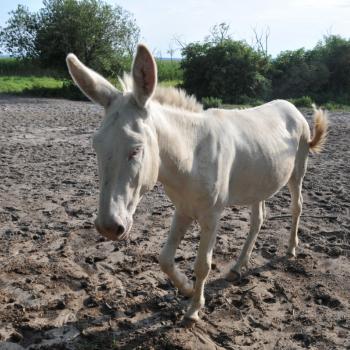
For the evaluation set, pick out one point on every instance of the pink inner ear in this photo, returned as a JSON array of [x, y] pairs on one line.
[[148, 75], [144, 71], [144, 80]]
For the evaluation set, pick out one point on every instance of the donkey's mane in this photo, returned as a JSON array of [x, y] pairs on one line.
[[166, 95]]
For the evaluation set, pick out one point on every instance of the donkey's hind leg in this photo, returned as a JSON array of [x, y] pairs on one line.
[[263, 210], [256, 220], [294, 185]]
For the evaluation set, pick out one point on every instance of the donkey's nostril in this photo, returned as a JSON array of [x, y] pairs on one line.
[[111, 229], [120, 229]]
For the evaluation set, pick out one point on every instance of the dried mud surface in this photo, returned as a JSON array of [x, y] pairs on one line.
[[62, 286]]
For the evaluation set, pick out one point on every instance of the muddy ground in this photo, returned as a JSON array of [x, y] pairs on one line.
[[62, 286]]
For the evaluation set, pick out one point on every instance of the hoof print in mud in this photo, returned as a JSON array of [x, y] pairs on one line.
[[233, 276], [324, 297]]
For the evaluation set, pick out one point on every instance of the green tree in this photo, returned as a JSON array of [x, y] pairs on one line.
[[290, 74], [298, 73], [322, 73], [334, 54], [97, 32], [226, 69], [18, 37]]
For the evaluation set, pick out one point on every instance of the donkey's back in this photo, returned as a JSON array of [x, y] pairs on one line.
[[256, 149]]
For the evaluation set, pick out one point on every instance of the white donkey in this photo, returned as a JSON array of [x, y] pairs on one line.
[[206, 160]]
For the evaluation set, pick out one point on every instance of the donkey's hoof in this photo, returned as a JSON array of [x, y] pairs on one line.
[[188, 322], [291, 253], [233, 276]]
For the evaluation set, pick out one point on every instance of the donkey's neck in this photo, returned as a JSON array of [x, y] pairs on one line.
[[178, 136]]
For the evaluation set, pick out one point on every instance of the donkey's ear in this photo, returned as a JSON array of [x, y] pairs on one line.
[[93, 85], [144, 73]]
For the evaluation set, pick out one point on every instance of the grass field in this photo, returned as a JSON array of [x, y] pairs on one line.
[[24, 78], [50, 87], [17, 85]]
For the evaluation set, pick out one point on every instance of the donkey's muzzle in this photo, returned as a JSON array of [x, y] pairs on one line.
[[113, 230]]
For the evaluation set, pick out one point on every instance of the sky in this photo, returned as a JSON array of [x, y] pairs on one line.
[[292, 24]]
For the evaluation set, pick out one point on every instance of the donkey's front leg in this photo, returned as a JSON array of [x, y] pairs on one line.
[[202, 266], [178, 229]]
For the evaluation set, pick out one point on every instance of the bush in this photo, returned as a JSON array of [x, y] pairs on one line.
[[250, 101], [322, 73], [168, 70], [23, 68], [290, 74], [211, 102], [228, 70], [304, 101]]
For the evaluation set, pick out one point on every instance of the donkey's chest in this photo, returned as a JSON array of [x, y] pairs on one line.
[[192, 199]]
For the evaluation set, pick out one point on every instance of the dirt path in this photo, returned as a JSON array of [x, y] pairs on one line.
[[62, 286]]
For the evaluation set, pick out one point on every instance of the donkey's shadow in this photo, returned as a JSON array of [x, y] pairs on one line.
[[165, 313], [176, 305]]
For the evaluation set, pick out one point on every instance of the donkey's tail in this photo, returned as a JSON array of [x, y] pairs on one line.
[[320, 130]]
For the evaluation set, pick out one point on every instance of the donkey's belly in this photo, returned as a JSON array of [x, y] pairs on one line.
[[257, 183]]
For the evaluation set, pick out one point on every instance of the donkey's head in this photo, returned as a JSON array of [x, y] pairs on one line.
[[126, 144]]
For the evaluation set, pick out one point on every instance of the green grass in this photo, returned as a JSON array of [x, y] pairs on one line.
[[334, 107], [170, 83], [22, 77], [17, 85], [50, 87]]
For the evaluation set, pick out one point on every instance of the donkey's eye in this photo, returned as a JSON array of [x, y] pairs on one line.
[[134, 153]]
